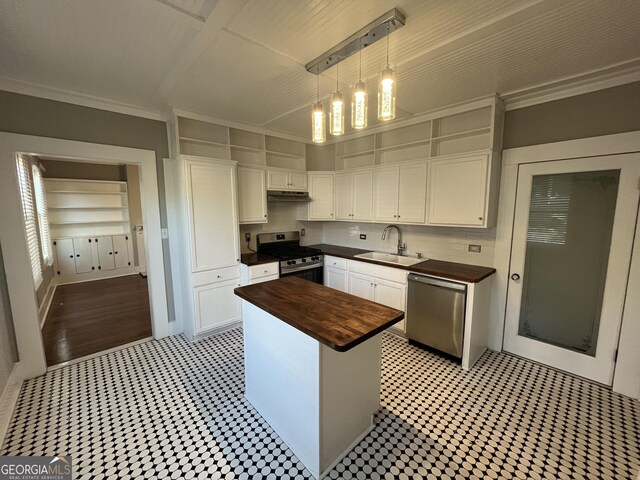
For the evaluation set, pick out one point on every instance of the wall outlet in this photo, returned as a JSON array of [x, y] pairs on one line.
[[475, 248], [363, 236], [247, 237], [302, 232]]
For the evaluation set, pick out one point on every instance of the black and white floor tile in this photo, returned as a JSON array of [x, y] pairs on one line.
[[175, 409]]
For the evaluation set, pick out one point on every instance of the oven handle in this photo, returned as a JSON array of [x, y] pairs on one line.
[[284, 273]]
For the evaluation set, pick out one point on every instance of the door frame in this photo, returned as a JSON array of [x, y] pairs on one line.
[[24, 305], [626, 378]]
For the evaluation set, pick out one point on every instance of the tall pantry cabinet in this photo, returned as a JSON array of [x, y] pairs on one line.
[[207, 224]]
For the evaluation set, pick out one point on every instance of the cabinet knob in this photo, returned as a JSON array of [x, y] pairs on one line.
[[219, 276], [77, 254], [70, 256], [479, 218], [110, 253], [515, 277], [266, 271], [116, 253], [265, 216]]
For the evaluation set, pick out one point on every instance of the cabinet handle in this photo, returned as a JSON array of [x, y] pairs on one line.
[[479, 218], [70, 256], [116, 253], [395, 216], [110, 253], [398, 216], [77, 254]]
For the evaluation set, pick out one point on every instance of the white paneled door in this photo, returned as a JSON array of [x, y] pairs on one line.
[[572, 240]]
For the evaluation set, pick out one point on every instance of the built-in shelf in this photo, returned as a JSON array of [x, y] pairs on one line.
[[87, 207]]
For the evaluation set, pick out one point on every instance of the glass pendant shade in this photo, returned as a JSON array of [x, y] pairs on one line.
[[318, 131], [336, 114], [359, 106], [387, 95]]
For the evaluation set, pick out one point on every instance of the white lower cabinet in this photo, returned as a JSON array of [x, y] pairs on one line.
[[102, 257], [259, 273], [335, 273], [216, 305]]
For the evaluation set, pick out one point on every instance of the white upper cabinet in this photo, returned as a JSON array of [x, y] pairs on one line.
[[400, 193], [354, 195], [213, 223], [458, 191], [321, 193], [287, 180], [252, 194]]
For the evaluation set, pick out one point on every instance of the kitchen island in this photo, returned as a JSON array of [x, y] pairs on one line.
[[312, 365]]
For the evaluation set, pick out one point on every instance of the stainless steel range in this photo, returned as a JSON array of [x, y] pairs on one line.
[[294, 259]]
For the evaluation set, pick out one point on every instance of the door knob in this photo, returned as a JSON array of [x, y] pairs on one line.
[[515, 276]]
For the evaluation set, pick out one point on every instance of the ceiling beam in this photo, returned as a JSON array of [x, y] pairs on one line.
[[183, 11]]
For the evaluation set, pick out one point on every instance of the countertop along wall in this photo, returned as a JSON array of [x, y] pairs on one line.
[[28, 115]]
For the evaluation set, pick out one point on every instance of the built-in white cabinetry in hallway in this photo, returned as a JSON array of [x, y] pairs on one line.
[[252, 194], [207, 226]]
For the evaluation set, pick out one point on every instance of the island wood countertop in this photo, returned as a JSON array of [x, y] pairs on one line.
[[454, 271], [339, 320]]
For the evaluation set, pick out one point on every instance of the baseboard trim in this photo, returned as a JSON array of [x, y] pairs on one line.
[[43, 311], [8, 401]]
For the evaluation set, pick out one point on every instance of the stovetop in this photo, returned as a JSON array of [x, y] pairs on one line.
[[291, 252], [286, 247]]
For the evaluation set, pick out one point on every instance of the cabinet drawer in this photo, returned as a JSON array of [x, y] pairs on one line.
[[335, 262], [266, 278], [214, 276], [386, 273], [264, 270]]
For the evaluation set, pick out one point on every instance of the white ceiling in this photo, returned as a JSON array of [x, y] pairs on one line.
[[243, 60]]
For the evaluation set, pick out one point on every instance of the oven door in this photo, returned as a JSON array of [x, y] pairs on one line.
[[312, 274]]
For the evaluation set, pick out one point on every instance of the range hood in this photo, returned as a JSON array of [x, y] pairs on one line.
[[287, 196]]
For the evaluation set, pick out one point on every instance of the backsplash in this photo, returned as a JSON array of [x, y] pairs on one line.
[[283, 217], [438, 243]]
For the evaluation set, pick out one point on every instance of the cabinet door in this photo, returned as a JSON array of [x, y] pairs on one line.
[[391, 294], [212, 215], [457, 191], [361, 286], [321, 193], [343, 196], [252, 195], [412, 193], [278, 180], [362, 195], [121, 250], [336, 278], [298, 181], [104, 246], [216, 305], [82, 250], [65, 256], [385, 188]]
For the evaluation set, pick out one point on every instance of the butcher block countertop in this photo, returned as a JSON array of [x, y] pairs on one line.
[[251, 259], [336, 319], [454, 271]]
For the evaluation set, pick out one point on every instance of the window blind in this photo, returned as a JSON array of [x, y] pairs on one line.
[[29, 213], [43, 216], [549, 210]]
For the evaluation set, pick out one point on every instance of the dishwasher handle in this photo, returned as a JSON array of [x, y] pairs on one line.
[[437, 282]]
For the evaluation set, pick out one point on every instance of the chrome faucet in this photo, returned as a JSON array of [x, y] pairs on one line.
[[401, 246]]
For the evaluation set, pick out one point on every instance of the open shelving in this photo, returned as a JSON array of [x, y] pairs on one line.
[[87, 207]]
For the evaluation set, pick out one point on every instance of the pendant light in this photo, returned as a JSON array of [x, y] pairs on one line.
[[318, 132], [387, 90], [336, 112], [359, 101]]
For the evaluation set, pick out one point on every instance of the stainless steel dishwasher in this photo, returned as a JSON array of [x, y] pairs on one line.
[[435, 313]]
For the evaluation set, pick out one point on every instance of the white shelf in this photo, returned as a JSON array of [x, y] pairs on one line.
[[403, 145], [285, 155], [466, 133], [357, 154], [203, 142], [96, 222], [246, 149]]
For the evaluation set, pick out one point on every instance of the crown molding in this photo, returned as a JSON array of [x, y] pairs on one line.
[[594, 80], [66, 96]]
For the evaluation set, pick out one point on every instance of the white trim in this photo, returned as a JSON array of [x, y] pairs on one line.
[[588, 147], [98, 354], [43, 311], [20, 282], [68, 96], [611, 76], [8, 401]]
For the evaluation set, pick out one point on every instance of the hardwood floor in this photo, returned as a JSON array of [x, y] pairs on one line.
[[90, 317]]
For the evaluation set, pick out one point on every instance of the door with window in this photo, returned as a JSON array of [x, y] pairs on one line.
[[573, 235]]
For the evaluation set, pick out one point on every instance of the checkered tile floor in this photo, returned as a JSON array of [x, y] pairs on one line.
[[174, 409]]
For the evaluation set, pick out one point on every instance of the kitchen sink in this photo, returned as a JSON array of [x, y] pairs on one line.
[[390, 258]]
